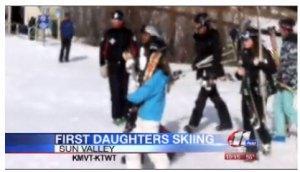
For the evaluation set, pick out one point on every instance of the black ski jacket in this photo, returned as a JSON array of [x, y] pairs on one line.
[[251, 80], [205, 45], [112, 46]]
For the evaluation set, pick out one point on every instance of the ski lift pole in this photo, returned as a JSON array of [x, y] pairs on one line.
[[44, 29], [58, 14], [9, 11], [262, 76], [44, 37], [44, 23]]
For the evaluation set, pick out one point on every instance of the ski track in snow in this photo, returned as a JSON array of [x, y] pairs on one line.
[[43, 95]]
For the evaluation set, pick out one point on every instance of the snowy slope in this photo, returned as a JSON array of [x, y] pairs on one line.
[[43, 95]]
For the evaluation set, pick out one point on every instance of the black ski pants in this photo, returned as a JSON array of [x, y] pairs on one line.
[[220, 105], [118, 83], [65, 49]]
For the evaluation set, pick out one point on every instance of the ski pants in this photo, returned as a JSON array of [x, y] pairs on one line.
[[118, 83], [160, 160], [220, 105], [65, 47], [250, 106], [284, 111]]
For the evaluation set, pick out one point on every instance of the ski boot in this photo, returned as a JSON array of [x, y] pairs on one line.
[[163, 129], [131, 119], [254, 151], [223, 127], [190, 128], [266, 148], [123, 159], [119, 121], [255, 123], [129, 127], [278, 138]]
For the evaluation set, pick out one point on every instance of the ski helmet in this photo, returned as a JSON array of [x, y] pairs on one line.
[[151, 30], [287, 23], [248, 34], [67, 14], [202, 18], [118, 15]]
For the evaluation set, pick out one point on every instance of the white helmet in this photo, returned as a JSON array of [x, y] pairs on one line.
[[151, 30]]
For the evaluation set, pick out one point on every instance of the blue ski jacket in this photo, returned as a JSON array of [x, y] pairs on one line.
[[67, 29], [151, 96]]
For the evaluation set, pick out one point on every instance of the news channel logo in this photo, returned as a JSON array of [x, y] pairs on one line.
[[241, 146]]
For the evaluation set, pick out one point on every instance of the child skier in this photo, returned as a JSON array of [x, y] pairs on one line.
[[284, 111], [252, 101], [136, 67], [151, 96]]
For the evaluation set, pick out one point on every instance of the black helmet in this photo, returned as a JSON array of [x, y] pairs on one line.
[[67, 14], [202, 18], [118, 15], [248, 34], [287, 23]]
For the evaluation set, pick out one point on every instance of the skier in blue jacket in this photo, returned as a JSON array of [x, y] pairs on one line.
[[67, 33], [151, 96]]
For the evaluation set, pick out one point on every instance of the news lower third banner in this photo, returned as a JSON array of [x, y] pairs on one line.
[[113, 142]]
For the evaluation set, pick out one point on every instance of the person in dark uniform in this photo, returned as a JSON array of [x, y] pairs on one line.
[[209, 68], [252, 101], [67, 33], [116, 41]]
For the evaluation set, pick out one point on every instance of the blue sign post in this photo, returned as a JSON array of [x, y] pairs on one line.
[[43, 22]]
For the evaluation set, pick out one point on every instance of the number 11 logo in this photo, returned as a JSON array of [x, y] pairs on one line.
[[238, 138]]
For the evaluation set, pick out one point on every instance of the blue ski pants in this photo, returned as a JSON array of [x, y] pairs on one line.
[[284, 111]]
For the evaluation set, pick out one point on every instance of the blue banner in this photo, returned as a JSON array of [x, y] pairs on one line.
[[113, 142]]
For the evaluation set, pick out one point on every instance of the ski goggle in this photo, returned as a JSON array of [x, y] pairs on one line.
[[287, 27], [246, 35]]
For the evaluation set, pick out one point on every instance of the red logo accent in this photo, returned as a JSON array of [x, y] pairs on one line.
[[238, 138]]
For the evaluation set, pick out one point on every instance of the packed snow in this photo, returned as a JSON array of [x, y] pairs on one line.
[[43, 95]]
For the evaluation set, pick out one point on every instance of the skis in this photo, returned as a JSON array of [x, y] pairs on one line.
[[207, 62], [152, 64], [262, 86], [182, 73], [234, 37], [275, 53], [286, 87], [262, 76], [251, 105]]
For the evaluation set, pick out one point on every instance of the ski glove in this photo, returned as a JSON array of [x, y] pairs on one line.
[[130, 66], [130, 63], [104, 71]]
